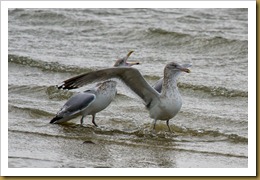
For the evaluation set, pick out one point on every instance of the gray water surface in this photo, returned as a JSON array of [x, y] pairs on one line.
[[47, 46]]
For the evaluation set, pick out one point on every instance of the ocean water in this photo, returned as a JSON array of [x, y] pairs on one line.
[[47, 46]]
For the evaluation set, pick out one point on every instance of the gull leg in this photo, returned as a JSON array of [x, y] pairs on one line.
[[154, 123], [93, 120], [81, 120], [167, 122]]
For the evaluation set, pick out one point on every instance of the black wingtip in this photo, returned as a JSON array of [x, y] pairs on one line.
[[68, 88], [63, 86], [55, 119], [59, 87]]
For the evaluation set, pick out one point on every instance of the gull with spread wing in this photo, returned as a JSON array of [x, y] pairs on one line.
[[91, 101], [161, 106]]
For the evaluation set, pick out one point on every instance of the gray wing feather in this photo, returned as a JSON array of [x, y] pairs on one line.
[[130, 76], [77, 103], [158, 85]]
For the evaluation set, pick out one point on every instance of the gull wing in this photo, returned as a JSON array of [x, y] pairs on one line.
[[158, 85], [76, 104], [130, 76]]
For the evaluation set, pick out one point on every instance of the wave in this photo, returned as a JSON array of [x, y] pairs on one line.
[[33, 112], [220, 45], [174, 34], [24, 88], [161, 32], [214, 91], [75, 70], [188, 132], [195, 43], [124, 138], [46, 66], [42, 14], [53, 17], [214, 41], [52, 92], [143, 130]]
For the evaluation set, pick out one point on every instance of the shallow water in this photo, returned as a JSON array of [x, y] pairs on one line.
[[47, 46]]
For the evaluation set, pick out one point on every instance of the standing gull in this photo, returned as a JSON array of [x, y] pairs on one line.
[[91, 101], [161, 106], [88, 102]]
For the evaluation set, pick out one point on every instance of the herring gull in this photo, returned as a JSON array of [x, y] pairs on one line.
[[92, 100], [161, 106]]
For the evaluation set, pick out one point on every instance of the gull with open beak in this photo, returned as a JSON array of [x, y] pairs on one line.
[[92, 100], [161, 106]]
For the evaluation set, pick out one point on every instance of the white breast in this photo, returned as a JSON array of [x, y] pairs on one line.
[[103, 99]]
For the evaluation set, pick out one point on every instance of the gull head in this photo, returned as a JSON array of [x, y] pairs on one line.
[[176, 68], [124, 62]]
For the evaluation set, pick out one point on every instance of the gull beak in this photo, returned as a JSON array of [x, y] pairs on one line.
[[130, 52], [133, 63], [130, 63], [185, 70]]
